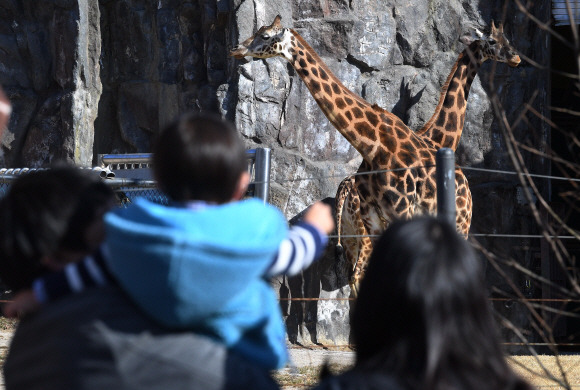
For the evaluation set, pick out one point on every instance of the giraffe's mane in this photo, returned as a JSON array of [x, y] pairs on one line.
[[323, 65], [444, 90]]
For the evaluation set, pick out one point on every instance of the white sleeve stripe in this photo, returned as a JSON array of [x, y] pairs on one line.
[[295, 253], [282, 259], [95, 271], [73, 277], [299, 252], [310, 246]]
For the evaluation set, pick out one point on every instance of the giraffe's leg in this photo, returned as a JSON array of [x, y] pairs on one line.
[[343, 192], [364, 243], [463, 203], [349, 224]]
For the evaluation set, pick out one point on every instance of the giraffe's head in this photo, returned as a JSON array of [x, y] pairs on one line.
[[268, 41], [495, 46]]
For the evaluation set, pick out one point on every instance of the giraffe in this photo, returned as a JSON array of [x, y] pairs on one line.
[[446, 124], [444, 128], [406, 187]]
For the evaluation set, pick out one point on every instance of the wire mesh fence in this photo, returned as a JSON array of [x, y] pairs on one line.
[[130, 177]]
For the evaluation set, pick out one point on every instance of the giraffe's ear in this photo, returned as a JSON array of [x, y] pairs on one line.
[[277, 21]]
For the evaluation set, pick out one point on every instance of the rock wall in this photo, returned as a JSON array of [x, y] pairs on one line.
[[49, 66], [138, 63]]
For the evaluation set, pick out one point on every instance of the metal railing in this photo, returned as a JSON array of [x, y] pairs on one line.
[[131, 174]]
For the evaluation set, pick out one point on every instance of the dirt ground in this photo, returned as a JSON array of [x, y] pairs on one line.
[[306, 363]]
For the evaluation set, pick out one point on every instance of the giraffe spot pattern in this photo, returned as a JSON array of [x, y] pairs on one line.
[[310, 59], [340, 103], [341, 122], [441, 119], [373, 118], [388, 141], [449, 101], [315, 86], [451, 122], [410, 182], [401, 133], [327, 89], [348, 100], [366, 130], [366, 148], [323, 74], [454, 85], [406, 157], [357, 112], [325, 104], [335, 88]]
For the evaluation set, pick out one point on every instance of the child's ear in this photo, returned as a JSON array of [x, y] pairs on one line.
[[242, 186]]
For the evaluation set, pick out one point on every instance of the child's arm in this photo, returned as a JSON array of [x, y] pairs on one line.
[[305, 243], [74, 277]]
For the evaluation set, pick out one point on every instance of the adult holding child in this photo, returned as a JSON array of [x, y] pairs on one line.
[[422, 319], [201, 262], [96, 339]]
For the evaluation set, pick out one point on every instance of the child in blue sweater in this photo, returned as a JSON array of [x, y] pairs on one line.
[[203, 262]]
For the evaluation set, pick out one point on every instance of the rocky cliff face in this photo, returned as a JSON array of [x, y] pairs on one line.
[[135, 64]]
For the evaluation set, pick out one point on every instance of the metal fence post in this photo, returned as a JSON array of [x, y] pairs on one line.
[[262, 174], [445, 160]]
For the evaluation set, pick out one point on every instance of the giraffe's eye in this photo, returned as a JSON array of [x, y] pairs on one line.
[[492, 42], [265, 36]]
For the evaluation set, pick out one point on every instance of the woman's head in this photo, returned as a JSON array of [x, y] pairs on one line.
[[422, 305], [46, 216]]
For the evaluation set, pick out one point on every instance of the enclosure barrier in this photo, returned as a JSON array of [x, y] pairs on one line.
[[132, 173], [130, 176]]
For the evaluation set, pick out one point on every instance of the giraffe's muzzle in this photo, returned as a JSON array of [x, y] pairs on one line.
[[239, 52]]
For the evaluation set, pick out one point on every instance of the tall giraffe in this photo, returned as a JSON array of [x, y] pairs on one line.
[[444, 128], [407, 185], [446, 124]]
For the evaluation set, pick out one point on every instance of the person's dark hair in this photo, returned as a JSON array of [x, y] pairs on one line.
[[422, 313], [43, 212], [199, 157]]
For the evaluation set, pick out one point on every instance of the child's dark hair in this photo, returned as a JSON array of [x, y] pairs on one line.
[[45, 211], [199, 157]]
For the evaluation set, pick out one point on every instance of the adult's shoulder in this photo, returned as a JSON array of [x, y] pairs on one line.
[[98, 339]]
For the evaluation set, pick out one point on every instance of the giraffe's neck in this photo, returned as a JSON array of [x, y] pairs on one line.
[[355, 118], [446, 125]]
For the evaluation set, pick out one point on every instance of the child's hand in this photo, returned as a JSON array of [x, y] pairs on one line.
[[24, 303], [320, 216]]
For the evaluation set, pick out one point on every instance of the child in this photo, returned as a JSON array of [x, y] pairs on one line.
[[201, 263]]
